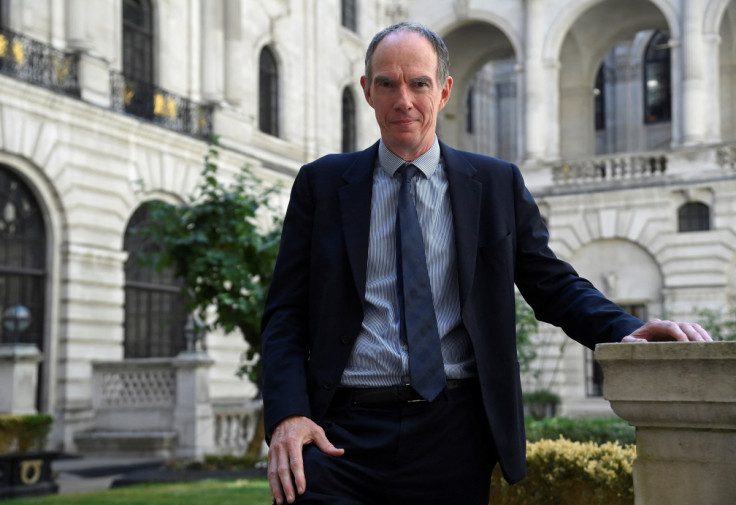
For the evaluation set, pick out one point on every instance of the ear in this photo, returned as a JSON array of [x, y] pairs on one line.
[[445, 93], [366, 90]]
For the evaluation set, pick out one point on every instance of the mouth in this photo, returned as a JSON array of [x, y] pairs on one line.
[[403, 122]]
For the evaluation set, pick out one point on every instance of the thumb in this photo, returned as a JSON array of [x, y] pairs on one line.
[[324, 445]]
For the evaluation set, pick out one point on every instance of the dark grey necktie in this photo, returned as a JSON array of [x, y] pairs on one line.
[[418, 322]]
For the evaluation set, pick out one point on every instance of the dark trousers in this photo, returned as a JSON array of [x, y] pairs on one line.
[[437, 453]]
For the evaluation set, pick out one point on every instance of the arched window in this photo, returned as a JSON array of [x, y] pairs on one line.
[[657, 82], [268, 93], [138, 61], [599, 98], [469, 105], [22, 263], [349, 141], [155, 318], [693, 216], [349, 17]]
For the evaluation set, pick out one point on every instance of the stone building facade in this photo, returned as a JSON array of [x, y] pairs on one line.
[[620, 113]]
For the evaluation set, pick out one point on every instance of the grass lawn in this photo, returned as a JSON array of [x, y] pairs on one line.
[[216, 492]]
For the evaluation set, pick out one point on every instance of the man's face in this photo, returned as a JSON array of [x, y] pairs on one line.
[[405, 94]]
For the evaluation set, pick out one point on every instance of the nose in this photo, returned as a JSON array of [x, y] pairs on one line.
[[403, 98]]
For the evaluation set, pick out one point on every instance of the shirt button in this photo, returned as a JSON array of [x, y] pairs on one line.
[[407, 380], [405, 347]]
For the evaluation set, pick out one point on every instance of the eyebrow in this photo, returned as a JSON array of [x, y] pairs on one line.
[[379, 79]]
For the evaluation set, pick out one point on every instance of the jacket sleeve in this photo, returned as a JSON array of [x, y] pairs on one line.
[[285, 328], [554, 289]]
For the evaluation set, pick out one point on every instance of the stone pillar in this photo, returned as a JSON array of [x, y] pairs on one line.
[[213, 49], [695, 101], [235, 78], [535, 85], [681, 397], [94, 71], [193, 419], [19, 378]]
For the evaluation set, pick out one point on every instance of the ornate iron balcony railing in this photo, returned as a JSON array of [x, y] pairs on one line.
[[37, 63], [161, 107]]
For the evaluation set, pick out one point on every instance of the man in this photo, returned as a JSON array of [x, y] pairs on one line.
[[347, 419]]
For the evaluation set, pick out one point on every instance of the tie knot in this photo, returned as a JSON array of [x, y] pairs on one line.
[[407, 171]]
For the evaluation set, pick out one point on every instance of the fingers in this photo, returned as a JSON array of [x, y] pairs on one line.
[[280, 474], [695, 332], [657, 330], [285, 463]]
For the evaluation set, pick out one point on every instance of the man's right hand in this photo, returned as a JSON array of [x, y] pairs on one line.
[[285, 456]]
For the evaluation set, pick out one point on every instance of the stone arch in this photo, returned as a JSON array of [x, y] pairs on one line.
[[622, 270], [714, 15], [719, 28], [575, 45], [472, 43], [570, 15]]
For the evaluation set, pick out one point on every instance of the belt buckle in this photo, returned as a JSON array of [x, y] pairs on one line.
[[408, 391]]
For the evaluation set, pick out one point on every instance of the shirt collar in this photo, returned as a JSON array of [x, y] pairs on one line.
[[427, 162]]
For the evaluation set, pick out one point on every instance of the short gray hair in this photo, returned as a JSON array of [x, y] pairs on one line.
[[443, 56]]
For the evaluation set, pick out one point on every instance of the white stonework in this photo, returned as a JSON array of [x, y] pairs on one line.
[[85, 162]]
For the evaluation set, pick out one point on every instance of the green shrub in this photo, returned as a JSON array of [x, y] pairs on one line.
[[24, 433], [565, 472], [581, 430]]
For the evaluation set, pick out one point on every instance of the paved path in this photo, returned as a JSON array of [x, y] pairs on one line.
[[96, 473]]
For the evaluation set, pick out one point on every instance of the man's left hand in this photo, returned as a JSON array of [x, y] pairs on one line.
[[658, 330]]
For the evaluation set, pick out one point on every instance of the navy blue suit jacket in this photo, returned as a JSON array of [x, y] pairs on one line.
[[315, 306]]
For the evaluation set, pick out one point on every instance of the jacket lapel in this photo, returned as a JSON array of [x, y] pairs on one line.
[[465, 198], [355, 209]]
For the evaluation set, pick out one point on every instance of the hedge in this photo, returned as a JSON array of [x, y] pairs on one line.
[[565, 472], [581, 430], [23, 433]]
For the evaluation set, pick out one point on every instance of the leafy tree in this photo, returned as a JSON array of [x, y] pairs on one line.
[[222, 243], [721, 325], [527, 327]]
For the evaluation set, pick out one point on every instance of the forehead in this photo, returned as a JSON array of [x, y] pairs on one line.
[[405, 51]]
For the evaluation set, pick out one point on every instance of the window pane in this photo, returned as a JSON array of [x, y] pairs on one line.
[[348, 122], [22, 262], [693, 216], [349, 19], [657, 82], [155, 317], [268, 93]]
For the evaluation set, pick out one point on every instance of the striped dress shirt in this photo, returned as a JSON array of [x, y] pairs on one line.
[[379, 357]]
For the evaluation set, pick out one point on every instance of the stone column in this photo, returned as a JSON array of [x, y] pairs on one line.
[[19, 378], [235, 78], [681, 397], [213, 49], [193, 419], [695, 101], [535, 84], [94, 70]]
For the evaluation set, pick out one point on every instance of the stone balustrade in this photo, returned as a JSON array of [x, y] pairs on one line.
[[235, 421], [681, 397], [154, 407]]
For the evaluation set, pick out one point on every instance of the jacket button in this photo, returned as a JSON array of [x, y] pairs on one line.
[[345, 339], [328, 384]]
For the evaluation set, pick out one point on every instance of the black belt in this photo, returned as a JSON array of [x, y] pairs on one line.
[[392, 395]]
